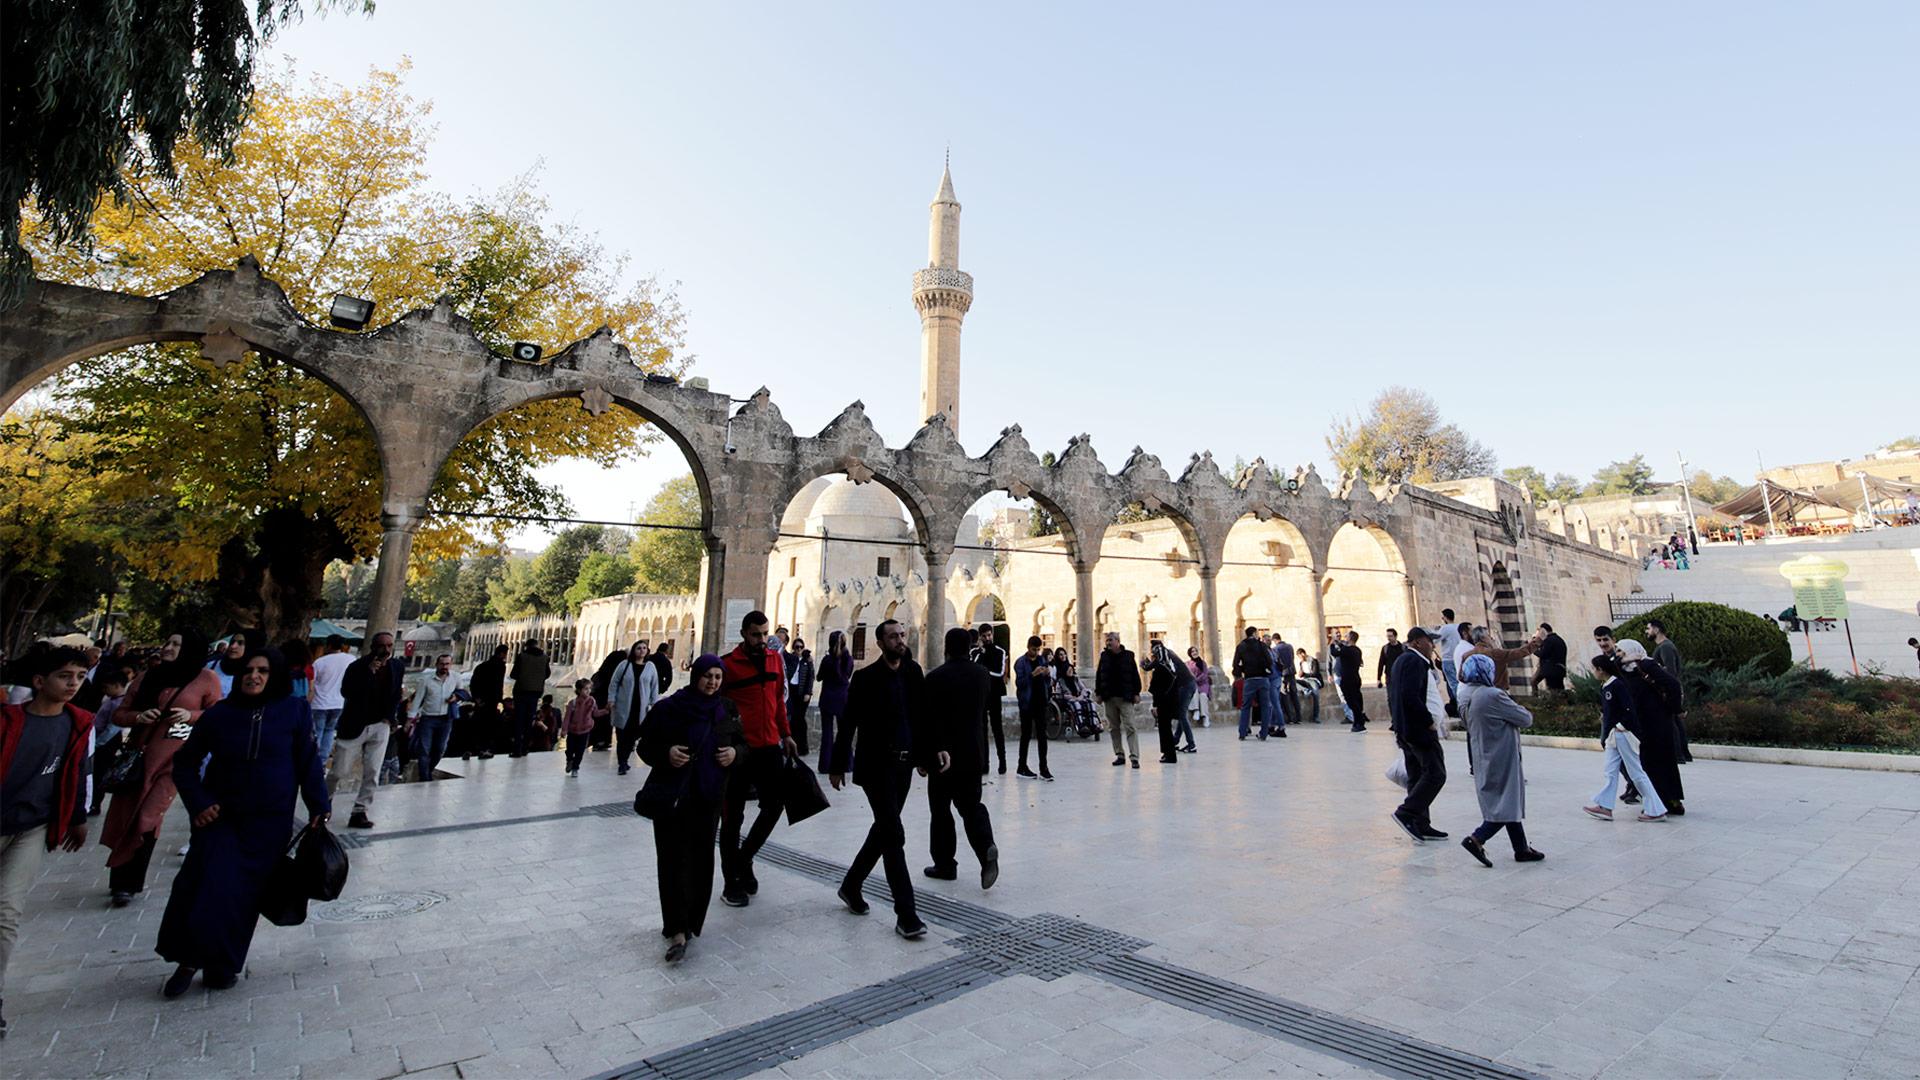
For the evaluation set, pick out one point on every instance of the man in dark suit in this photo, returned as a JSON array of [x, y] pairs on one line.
[[1352, 667], [488, 686], [1414, 729], [882, 700], [952, 747]]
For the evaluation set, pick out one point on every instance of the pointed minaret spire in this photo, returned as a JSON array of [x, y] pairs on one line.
[[942, 293]]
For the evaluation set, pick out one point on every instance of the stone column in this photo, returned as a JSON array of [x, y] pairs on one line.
[[1413, 607], [1210, 646], [933, 637], [1319, 618], [1083, 619], [390, 575], [735, 576]]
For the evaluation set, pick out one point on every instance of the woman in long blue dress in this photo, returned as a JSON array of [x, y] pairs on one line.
[[258, 751]]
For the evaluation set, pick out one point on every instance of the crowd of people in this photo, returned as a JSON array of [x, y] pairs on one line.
[[239, 732]]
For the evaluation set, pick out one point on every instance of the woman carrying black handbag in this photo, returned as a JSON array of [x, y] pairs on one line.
[[691, 740], [258, 752]]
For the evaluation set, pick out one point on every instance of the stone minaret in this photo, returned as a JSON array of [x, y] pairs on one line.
[[942, 293]]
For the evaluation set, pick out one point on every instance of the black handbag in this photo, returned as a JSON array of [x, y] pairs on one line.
[[800, 793], [655, 801], [129, 770], [284, 901], [321, 863]]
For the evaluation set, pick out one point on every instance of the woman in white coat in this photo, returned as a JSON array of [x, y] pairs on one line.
[[631, 692], [1494, 721]]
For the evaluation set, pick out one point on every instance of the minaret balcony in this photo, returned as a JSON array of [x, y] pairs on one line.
[[943, 279]]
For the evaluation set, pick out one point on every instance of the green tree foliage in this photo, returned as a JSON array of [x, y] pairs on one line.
[[1715, 636], [467, 604], [1709, 489], [347, 590], [510, 594], [556, 569], [1630, 477], [1544, 490], [256, 476], [602, 574], [1906, 442], [1402, 438], [99, 93], [669, 560]]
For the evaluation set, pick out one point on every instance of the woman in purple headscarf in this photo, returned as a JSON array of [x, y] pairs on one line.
[[690, 740]]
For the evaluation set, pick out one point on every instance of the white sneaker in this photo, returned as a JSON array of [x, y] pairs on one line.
[[184, 847]]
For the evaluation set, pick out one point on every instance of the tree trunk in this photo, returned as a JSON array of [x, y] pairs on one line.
[[279, 584]]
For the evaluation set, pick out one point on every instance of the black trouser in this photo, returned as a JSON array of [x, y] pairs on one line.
[[1355, 696], [1033, 723], [1515, 833], [761, 772], [602, 730], [947, 792], [797, 703], [1426, 775], [1164, 708], [994, 723], [683, 843], [577, 748], [1290, 700], [525, 708], [886, 841], [131, 876], [625, 738]]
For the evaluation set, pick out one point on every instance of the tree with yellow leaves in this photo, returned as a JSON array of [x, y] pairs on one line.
[[255, 476]]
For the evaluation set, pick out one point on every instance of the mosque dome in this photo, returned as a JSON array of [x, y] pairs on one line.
[[801, 507], [849, 509]]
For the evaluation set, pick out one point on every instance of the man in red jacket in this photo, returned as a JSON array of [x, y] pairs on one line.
[[756, 683], [45, 747]]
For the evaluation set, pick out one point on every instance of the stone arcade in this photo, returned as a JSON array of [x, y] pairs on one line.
[[424, 382]]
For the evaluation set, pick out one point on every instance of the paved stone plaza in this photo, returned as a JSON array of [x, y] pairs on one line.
[[1771, 933]]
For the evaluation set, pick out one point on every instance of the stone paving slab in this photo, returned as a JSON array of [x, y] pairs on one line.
[[1769, 933]]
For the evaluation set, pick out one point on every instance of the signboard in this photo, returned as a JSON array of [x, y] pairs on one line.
[[737, 609], [1819, 586]]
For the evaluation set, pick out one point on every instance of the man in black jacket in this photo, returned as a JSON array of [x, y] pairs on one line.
[[797, 660], [1388, 654], [531, 670], [1253, 666], [371, 691], [989, 655], [951, 743], [1116, 682], [1551, 660], [488, 686], [1418, 738], [882, 700], [1352, 689]]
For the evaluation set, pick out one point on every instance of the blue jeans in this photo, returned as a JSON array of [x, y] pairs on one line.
[[1453, 679], [325, 723], [430, 742], [1269, 706], [1182, 727]]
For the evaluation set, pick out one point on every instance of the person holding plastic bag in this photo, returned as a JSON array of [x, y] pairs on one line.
[[691, 740], [258, 753]]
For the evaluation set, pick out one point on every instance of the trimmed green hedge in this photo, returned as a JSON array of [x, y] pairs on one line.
[[1715, 636]]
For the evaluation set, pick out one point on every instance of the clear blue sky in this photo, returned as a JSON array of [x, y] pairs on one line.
[[1587, 230]]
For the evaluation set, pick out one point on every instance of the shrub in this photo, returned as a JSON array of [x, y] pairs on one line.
[[1715, 636]]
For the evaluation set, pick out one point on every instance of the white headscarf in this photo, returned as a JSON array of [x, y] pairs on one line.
[[1631, 653]]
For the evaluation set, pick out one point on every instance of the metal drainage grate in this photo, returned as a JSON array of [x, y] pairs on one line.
[[610, 810], [1375, 1047], [792, 1035], [468, 826], [352, 841], [933, 907], [377, 907], [1045, 946]]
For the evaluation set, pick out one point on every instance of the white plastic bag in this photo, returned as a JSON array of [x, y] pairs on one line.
[[1397, 771]]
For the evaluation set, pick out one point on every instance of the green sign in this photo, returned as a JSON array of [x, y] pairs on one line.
[[1819, 586]]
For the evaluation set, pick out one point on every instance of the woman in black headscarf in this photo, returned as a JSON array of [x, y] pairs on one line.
[[691, 740], [258, 750]]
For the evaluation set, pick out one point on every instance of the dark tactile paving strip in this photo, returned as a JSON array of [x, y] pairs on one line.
[[1384, 1051], [1044, 946], [754, 1047]]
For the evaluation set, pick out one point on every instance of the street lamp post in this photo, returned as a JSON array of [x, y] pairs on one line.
[[1686, 491]]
